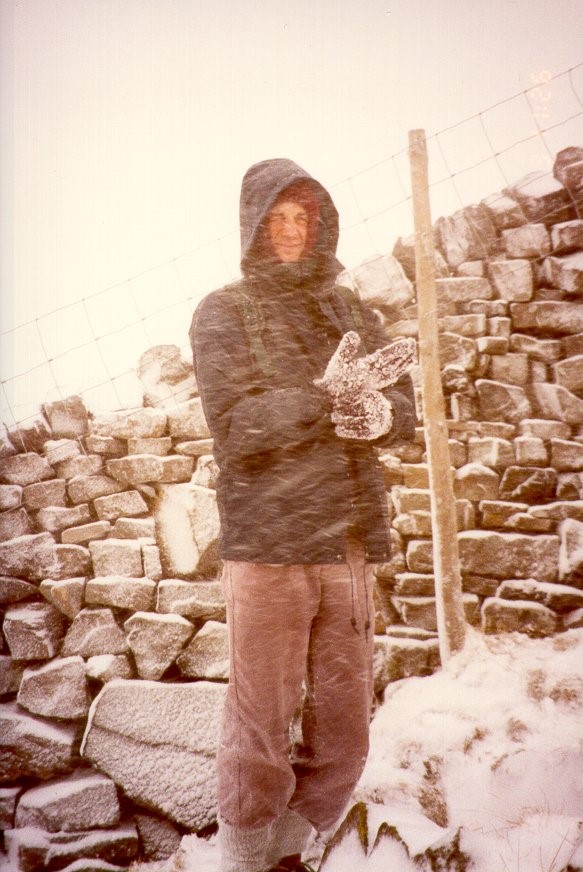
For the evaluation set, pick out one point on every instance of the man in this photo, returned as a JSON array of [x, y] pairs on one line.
[[290, 377]]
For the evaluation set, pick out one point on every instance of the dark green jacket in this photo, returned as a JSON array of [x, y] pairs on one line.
[[289, 489]]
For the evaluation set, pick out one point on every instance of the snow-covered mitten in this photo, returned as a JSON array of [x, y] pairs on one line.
[[353, 383], [349, 374], [367, 417]]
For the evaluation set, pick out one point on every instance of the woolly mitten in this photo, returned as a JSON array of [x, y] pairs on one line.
[[353, 384]]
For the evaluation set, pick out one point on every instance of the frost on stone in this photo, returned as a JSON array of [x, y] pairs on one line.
[[33, 746], [158, 743], [82, 801]]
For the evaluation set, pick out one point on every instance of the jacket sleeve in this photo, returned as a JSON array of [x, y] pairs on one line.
[[245, 416]]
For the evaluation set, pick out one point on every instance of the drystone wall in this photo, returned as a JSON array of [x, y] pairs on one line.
[[114, 660]]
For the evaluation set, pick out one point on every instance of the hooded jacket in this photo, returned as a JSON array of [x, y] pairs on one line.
[[289, 489]]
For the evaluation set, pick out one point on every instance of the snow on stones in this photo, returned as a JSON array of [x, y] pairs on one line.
[[509, 555], [30, 557], [207, 655], [56, 690], [156, 641], [187, 523], [198, 601], [34, 746], [81, 801], [158, 742], [33, 631], [94, 631], [31, 849]]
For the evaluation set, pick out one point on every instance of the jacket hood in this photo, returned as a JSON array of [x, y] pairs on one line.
[[262, 185]]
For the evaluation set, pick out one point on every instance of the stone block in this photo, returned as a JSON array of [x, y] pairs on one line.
[[463, 289], [187, 421], [570, 486], [10, 496], [512, 368], [206, 473], [194, 447], [419, 556], [86, 533], [571, 552], [121, 592], [528, 484], [558, 597], [512, 279], [509, 555], [530, 240], [117, 557], [108, 446], [81, 801], [492, 345], [567, 236], [491, 451], [499, 401], [14, 524], [83, 465], [128, 504], [25, 469], [86, 488], [380, 281], [158, 742], [31, 747], [66, 595], [566, 456], [10, 677], [505, 616], [156, 641], [569, 373], [45, 493], [152, 563], [465, 235], [134, 528], [463, 325], [68, 418], [141, 445], [568, 169], [148, 423], [56, 690], [33, 631], [544, 350], [556, 402], [475, 481], [530, 451], [92, 632], [398, 658], [107, 667], [457, 351], [14, 590], [198, 601], [504, 210], [61, 450], [499, 326], [542, 198], [139, 468], [207, 654], [29, 436], [471, 269], [544, 429], [550, 317], [31, 848], [159, 838], [566, 272], [71, 561], [30, 557], [499, 513], [187, 525], [55, 519], [167, 378]]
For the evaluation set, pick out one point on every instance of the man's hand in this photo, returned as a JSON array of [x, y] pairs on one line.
[[359, 409]]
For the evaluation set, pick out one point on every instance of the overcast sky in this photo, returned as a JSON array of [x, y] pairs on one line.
[[128, 124]]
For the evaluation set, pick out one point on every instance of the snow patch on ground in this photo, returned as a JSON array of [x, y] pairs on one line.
[[491, 745]]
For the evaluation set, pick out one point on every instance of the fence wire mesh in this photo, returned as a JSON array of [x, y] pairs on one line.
[[90, 347]]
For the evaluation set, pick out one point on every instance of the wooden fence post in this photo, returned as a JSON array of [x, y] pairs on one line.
[[448, 589]]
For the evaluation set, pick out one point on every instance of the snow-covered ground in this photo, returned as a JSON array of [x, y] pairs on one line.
[[491, 746]]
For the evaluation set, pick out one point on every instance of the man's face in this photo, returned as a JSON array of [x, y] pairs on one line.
[[287, 225]]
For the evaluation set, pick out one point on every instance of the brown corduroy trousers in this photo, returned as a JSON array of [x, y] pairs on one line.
[[295, 626]]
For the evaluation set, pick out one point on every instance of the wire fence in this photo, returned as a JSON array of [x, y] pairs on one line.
[[91, 346]]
